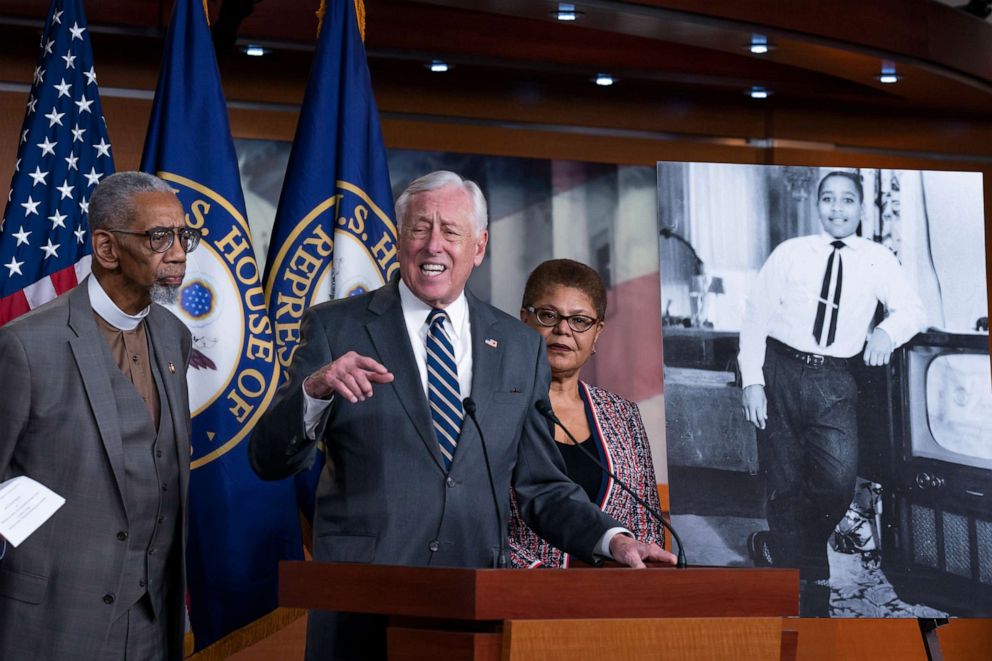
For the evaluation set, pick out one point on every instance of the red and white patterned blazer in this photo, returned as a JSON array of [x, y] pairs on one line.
[[619, 432]]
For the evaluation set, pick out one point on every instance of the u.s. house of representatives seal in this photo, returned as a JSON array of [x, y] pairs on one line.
[[233, 373]]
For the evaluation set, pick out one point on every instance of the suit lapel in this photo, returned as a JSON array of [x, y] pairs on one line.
[[166, 351], [92, 357], [387, 330], [487, 355]]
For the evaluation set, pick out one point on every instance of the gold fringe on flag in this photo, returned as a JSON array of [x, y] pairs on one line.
[[359, 14], [206, 12]]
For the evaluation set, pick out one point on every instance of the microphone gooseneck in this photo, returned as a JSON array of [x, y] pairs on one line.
[[469, 405], [544, 408]]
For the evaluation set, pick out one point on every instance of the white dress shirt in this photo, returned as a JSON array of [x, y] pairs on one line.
[[783, 301]]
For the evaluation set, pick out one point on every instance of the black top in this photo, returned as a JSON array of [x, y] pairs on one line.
[[581, 469]]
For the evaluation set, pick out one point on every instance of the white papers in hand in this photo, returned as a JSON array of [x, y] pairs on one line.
[[24, 505]]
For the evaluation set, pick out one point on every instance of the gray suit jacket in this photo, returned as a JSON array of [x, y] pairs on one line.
[[59, 426], [384, 497]]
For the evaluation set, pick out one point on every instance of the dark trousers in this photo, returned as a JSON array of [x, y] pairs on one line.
[[808, 453]]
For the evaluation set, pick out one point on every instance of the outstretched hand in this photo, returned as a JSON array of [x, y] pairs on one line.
[[628, 551], [351, 376]]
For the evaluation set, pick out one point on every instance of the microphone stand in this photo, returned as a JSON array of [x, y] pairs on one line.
[[545, 409], [469, 404]]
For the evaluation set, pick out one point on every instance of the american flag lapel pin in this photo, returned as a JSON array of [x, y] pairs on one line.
[[491, 342], [172, 368]]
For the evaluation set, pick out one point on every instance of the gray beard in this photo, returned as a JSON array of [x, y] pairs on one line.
[[164, 295]]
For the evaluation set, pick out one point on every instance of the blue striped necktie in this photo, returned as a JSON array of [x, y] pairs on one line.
[[443, 392]]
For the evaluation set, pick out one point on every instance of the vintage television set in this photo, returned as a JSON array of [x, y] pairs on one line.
[[937, 507]]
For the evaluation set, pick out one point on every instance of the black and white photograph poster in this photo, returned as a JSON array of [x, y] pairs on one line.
[[827, 381]]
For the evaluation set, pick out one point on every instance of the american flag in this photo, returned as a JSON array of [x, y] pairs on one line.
[[62, 154]]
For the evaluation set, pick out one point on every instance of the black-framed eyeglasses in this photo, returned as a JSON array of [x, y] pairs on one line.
[[579, 323], [160, 239]]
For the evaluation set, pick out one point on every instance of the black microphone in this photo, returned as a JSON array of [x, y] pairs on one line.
[[469, 404], [544, 408]]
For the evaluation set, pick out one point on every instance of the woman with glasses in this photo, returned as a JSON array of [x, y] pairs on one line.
[[565, 301]]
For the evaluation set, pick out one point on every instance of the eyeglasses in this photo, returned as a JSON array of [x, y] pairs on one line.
[[579, 323], [160, 239]]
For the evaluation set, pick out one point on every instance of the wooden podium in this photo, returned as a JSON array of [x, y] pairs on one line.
[[516, 614]]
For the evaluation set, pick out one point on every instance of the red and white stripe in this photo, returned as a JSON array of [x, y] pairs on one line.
[[43, 290]]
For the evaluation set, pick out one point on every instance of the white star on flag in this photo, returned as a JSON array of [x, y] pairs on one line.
[[84, 105], [32, 104], [103, 148], [63, 88], [70, 61], [38, 176], [77, 133], [30, 207], [15, 267], [77, 32], [65, 189], [90, 76], [93, 177], [80, 234], [58, 219], [51, 250], [47, 147], [54, 118], [22, 237], [71, 160], [57, 17]]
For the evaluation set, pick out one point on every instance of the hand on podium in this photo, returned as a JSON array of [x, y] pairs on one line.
[[628, 551]]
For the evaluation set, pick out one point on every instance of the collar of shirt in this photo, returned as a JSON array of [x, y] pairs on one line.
[[108, 310], [850, 241], [415, 313]]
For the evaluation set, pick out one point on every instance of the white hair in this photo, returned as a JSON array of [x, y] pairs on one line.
[[440, 179]]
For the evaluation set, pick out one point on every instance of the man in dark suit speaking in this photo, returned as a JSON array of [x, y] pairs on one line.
[[380, 378], [94, 406]]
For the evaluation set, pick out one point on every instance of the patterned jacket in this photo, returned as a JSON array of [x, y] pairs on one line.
[[623, 447]]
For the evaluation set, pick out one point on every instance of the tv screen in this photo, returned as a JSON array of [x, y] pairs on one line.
[[955, 425]]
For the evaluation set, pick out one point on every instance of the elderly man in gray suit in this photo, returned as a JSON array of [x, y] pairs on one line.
[[95, 407], [380, 378]]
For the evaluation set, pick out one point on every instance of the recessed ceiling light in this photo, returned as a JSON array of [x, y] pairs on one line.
[[604, 79], [438, 66], [758, 92], [253, 50], [759, 44], [566, 12], [888, 76]]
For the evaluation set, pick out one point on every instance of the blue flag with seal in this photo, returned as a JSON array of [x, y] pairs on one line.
[[239, 526], [334, 234]]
